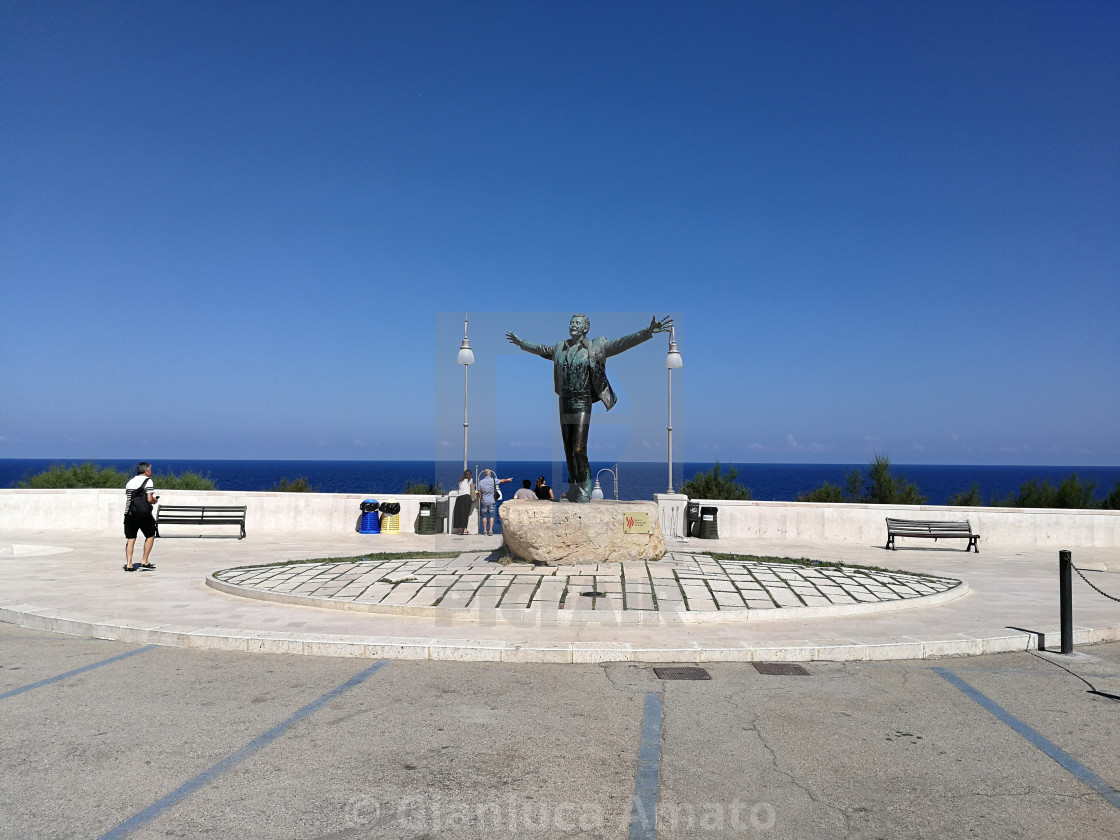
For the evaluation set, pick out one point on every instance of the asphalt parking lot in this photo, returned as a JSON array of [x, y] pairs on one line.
[[108, 739]]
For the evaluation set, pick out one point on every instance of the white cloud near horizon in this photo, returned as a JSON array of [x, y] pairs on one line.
[[793, 444]]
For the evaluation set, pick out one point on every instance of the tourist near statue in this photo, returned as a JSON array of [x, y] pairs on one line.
[[580, 377]]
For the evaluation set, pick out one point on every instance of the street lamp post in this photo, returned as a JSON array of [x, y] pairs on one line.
[[672, 360], [597, 490], [465, 358]]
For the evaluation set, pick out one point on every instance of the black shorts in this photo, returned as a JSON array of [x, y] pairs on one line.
[[134, 522]]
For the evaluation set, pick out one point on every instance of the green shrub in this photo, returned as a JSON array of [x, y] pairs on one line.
[[970, 498], [423, 488], [713, 485], [1112, 500], [827, 492], [89, 475], [1070, 493], [183, 481], [86, 475], [852, 491], [297, 485], [880, 487]]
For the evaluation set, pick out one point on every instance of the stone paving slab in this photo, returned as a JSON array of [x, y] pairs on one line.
[[74, 585]]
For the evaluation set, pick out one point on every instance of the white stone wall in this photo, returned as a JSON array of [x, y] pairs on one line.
[[103, 510], [866, 524]]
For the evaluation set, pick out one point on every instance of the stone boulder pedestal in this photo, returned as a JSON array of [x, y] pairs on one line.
[[566, 534]]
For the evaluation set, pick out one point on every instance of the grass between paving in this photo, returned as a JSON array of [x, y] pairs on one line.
[[390, 555], [813, 564]]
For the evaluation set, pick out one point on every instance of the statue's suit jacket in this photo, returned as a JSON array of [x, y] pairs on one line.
[[598, 349]]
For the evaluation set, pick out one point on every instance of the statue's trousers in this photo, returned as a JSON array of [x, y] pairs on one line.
[[575, 420]]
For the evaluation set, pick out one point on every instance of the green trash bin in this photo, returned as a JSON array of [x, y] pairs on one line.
[[426, 522], [709, 523]]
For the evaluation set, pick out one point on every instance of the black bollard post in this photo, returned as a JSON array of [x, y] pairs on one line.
[[1065, 576]]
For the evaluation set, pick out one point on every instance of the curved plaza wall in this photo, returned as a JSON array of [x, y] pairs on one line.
[[278, 513], [866, 524]]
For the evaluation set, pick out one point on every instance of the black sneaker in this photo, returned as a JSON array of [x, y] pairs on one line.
[[129, 568], [147, 567]]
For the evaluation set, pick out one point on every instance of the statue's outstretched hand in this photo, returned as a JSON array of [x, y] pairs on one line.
[[513, 339], [663, 325]]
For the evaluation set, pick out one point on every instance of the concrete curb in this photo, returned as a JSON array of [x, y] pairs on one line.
[[468, 650]]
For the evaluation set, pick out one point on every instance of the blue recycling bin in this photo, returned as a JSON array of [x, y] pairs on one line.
[[370, 523]]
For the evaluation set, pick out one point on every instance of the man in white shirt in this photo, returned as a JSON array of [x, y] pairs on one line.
[[136, 519]]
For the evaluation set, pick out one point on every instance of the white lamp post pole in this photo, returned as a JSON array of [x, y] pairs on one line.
[[672, 360], [465, 358]]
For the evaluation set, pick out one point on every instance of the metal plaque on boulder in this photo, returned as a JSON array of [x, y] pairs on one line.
[[636, 522]]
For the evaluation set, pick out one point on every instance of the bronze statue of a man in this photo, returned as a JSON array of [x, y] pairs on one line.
[[580, 377]]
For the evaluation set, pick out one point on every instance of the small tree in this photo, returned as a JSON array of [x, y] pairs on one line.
[[713, 485], [1112, 500], [880, 487], [970, 498], [884, 488]]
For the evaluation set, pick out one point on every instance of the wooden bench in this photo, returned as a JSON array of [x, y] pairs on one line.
[[201, 515], [961, 529]]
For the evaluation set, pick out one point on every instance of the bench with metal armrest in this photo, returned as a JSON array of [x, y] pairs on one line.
[[201, 515], [929, 529]]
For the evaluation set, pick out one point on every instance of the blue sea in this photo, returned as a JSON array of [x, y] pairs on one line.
[[636, 480]]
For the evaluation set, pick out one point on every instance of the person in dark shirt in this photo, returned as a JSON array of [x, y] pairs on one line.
[[543, 491]]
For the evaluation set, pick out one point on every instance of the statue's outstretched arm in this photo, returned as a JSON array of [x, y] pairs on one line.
[[529, 346], [618, 345]]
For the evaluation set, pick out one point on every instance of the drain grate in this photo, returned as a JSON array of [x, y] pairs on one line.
[[593, 594], [681, 674], [780, 669]]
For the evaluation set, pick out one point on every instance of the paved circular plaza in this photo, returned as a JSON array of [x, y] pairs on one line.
[[681, 587]]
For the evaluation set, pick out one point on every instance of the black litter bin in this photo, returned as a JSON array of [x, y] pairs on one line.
[[426, 519], [692, 520], [709, 523], [441, 514]]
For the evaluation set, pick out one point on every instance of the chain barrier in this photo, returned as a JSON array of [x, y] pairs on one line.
[[1094, 586]]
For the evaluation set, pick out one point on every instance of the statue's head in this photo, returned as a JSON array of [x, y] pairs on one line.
[[579, 325]]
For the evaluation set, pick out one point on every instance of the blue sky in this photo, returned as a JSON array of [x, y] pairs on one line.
[[251, 229]]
